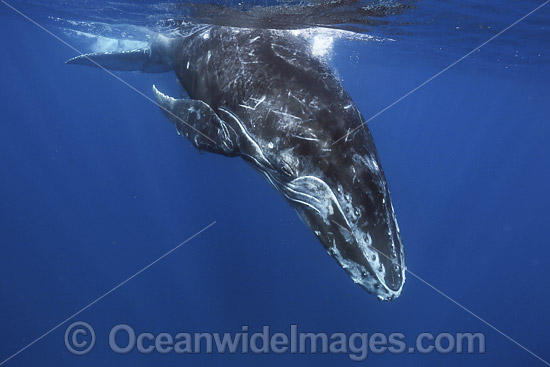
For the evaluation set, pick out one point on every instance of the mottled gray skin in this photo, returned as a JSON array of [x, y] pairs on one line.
[[261, 95]]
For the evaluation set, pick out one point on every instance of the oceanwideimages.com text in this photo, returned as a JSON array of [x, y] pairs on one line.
[[80, 339]]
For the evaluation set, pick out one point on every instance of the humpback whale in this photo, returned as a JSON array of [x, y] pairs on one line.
[[262, 95]]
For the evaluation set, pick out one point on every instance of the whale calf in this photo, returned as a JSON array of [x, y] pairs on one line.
[[262, 95]]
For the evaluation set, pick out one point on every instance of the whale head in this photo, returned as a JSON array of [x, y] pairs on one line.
[[354, 219], [340, 192]]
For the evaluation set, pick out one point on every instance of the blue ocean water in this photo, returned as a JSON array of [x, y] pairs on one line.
[[96, 185]]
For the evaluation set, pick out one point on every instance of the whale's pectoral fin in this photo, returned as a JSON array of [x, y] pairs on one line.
[[135, 60], [198, 122]]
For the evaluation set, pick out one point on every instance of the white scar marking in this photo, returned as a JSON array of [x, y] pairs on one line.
[[258, 102], [245, 106], [304, 138], [286, 114]]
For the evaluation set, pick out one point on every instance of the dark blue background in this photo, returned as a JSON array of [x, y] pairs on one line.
[[96, 184]]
